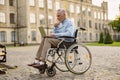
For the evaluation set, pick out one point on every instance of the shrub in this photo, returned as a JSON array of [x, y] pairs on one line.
[[101, 38], [108, 39]]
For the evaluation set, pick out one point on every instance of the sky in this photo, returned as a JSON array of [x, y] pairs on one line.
[[113, 7]]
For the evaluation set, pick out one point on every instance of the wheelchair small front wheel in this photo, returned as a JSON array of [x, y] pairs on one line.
[[50, 71], [78, 59]]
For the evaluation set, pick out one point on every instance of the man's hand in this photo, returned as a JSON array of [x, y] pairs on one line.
[[52, 35], [56, 24]]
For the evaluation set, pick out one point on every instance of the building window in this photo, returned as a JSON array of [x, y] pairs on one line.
[[96, 26], [90, 36], [84, 23], [2, 17], [2, 2], [32, 2], [98, 15], [50, 19], [33, 33], [13, 36], [57, 5], [95, 15], [12, 18], [103, 26], [83, 10], [96, 37], [101, 15], [85, 36], [2, 36], [99, 26], [42, 19], [49, 4], [105, 16], [32, 18], [41, 3], [78, 23], [11, 2], [90, 24], [77, 9], [89, 12], [71, 8]]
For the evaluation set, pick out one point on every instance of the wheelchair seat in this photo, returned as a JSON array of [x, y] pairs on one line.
[[66, 45]]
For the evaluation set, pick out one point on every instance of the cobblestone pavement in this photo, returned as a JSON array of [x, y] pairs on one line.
[[105, 65]]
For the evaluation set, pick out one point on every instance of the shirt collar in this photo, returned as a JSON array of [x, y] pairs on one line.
[[64, 21]]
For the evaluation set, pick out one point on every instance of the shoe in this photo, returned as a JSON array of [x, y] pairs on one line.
[[38, 65], [31, 64]]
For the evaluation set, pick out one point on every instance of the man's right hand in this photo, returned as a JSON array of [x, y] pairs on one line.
[[56, 24], [52, 35]]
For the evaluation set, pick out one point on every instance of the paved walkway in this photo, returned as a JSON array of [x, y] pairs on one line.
[[105, 65]]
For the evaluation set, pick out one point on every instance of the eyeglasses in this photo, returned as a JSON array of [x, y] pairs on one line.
[[58, 15]]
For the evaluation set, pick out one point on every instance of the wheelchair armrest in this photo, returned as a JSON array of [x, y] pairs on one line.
[[50, 37]]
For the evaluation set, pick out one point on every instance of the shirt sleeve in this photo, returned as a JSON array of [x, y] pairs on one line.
[[69, 30]]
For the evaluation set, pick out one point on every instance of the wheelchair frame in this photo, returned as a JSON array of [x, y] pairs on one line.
[[63, 50]]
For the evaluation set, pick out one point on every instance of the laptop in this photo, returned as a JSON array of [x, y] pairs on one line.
[[43, 34], [42, 31]]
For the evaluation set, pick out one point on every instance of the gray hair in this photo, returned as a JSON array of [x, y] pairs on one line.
[[63, 11]]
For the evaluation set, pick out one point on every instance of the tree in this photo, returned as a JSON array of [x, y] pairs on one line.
[[115, 24], [101, 38], [108, 39]]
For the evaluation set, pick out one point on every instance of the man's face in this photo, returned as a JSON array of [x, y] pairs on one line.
[[60, 16]]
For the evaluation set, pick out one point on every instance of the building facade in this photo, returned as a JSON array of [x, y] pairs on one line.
[[20, 19]]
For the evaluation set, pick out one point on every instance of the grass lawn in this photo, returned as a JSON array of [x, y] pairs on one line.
[[101, 44]]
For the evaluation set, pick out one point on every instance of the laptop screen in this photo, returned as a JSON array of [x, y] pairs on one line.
[[42, 31]]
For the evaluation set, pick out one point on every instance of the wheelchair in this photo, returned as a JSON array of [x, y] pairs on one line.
[[3, 53], [68, 56]]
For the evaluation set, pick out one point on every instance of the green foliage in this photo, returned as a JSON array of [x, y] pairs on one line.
[[102, 44], [108, 39], [101, 38], [115, 24]]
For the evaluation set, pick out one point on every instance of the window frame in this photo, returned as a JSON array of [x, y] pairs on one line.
[[2, 17], [57, 5], [42, 19], [49, 4], [13, 36], [32, 2], [32, 18], [33, 35], [41, 3], [2, 2], [3, 36], [11, 2], [12, 18]]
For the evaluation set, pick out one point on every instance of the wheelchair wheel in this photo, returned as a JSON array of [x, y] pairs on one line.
[[50, 56], [78, 59], [60, 62], [50, 71], [58, 58]]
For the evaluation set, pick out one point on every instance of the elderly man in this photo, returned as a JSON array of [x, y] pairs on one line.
[[64, 27]]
